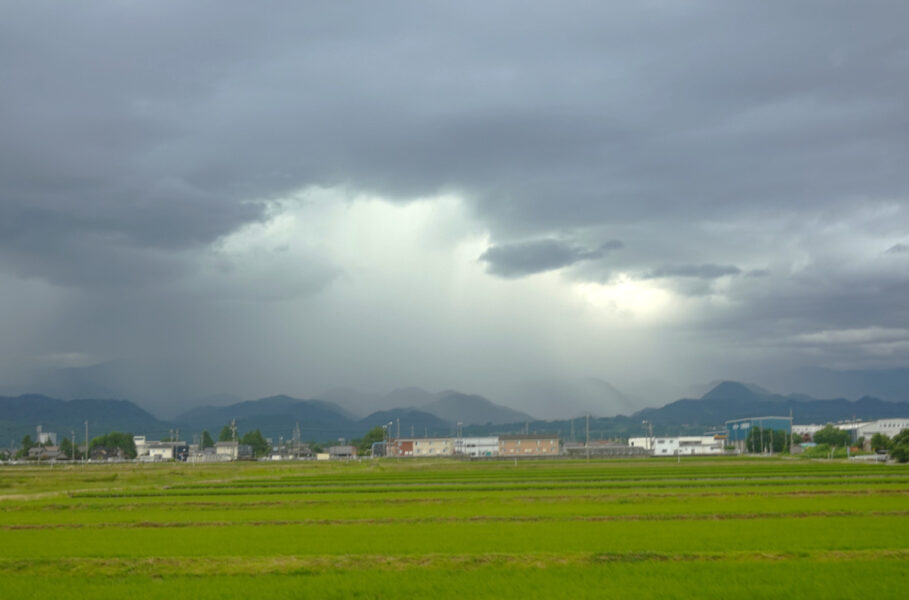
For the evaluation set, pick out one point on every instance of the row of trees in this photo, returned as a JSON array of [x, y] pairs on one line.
[[762, 440], [897, 446], [123, 442], [766, 440], [833, 436], [364, 444], [28, 443], [113, 441]]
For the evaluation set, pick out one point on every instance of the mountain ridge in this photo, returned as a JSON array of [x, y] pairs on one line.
[[320, 420]]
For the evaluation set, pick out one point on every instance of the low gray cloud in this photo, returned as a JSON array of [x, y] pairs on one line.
[[526, 258], [898, 249], [704, 271]]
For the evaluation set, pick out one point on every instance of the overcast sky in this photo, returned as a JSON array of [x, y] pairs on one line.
[[286, 199]]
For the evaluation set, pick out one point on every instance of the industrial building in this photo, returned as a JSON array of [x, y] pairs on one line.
[[689, 445], [47, 438], [737, 430], [858, 429]]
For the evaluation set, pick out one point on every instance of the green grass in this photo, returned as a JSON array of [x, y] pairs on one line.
[[381, 529]]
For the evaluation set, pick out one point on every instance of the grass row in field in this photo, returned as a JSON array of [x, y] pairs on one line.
[[369, 477], [680, 536], [647, 579], [282, 565], [471, 506], [897, 482], [208, 522]]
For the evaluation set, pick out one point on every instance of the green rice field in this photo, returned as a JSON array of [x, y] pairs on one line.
[[646, 528]]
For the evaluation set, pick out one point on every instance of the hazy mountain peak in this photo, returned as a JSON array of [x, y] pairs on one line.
[[736, 390], [472, 409], [407, 396]]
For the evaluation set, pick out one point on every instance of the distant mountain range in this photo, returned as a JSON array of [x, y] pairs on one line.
[[450, 405], [888, 384], [275, 416], [20, 415], [425, 413], [735, 400]]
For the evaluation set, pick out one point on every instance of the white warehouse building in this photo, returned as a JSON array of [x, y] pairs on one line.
[[688, 445], [477, 446], [858, 429]]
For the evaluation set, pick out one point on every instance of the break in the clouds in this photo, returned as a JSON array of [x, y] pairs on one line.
[[297, 198], [537, 256]]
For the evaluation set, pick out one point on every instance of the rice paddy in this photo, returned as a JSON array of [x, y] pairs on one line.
[[728, 528]]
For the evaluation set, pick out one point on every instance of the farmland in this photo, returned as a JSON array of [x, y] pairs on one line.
[[381, 529]]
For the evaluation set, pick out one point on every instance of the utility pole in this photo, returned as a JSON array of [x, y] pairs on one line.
[[297, 436], [587, 443], [789, 435], [72, 436], [86, 443], [649, 439]]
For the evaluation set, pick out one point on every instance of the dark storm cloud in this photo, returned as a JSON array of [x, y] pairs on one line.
[[758, 273], [526, 258], [705, 271], [166, 126], [135, 136]]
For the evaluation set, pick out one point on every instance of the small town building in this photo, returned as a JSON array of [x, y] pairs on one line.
[[529, 444], [233, 451], [154, 451], [602, 449], [345, 452], [421, 447], [106, 453], [477, 446], [293, 452], [46, 453]]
